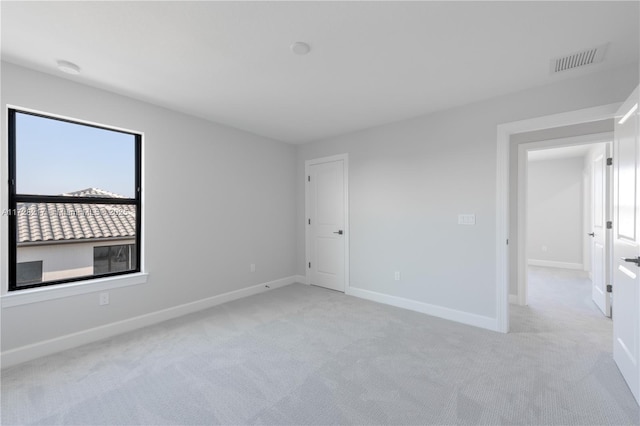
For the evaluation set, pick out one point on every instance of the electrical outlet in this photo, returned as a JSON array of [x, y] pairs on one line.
[[252, 267], [103, 299], [544, 248], [397, 276]]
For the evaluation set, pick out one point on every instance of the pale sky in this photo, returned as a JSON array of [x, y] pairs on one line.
[[53, 157]]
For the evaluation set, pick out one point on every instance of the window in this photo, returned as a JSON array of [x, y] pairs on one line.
[[114, 258], [71, 185], [29, 272]]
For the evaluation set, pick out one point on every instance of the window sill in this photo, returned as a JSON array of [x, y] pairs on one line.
[[42, 294]]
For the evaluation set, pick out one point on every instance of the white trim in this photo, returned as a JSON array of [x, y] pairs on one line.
[[41, 294], [502, 230], [554, 264], [628, 114], [307, 238], [513, 299], [4, 203], [522, 217], [426, 308], [504, 132], [36, 350], [302, 279]]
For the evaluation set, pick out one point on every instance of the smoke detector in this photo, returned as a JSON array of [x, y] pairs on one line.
[[579, 59], [300, 48], [68, 67]]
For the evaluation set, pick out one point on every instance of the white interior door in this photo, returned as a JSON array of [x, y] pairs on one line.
[[599, 208], [326, 224], [626, 245]]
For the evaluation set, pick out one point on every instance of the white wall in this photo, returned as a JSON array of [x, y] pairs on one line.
[[555, 211], [410, 180], [216, 200]]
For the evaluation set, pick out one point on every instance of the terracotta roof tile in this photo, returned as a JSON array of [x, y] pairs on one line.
[[41, 222]]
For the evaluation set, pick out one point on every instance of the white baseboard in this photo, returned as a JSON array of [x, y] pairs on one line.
[[301, 279], [425, 308], [513, 298], [36, 350], [554, 264]]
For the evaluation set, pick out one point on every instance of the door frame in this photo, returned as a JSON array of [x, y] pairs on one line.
[[523, 200], [504, 132], [307, 209]]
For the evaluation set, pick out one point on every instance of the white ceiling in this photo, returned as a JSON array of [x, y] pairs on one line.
[[371, 62], [560, 153]]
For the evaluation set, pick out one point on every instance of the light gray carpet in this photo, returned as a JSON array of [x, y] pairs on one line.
[[305, 355]]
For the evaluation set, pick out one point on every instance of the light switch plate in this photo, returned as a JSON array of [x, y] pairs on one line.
[[466, 219]]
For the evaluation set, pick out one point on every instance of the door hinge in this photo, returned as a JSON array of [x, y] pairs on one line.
[[609, 224], [309, 221], [308, 178], [609, 288], [309, 265], [609, 161], [507, 241]]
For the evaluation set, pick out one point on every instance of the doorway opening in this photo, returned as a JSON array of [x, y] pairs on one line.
[[626, 239], [506, 260], [564, 193]]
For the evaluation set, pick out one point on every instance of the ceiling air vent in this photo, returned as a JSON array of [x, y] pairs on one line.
[[578, 59]]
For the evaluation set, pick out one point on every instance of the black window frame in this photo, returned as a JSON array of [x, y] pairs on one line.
[[15, 198]]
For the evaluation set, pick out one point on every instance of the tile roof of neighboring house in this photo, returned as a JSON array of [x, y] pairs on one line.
[[51, 222], [93, 192]]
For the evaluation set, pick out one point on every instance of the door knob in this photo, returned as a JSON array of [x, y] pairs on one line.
[[635, 260], [593, 234], [339, 232]]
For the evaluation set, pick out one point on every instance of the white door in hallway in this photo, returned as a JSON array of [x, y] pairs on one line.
[[626, 244], [326, 224], [599, 217]]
